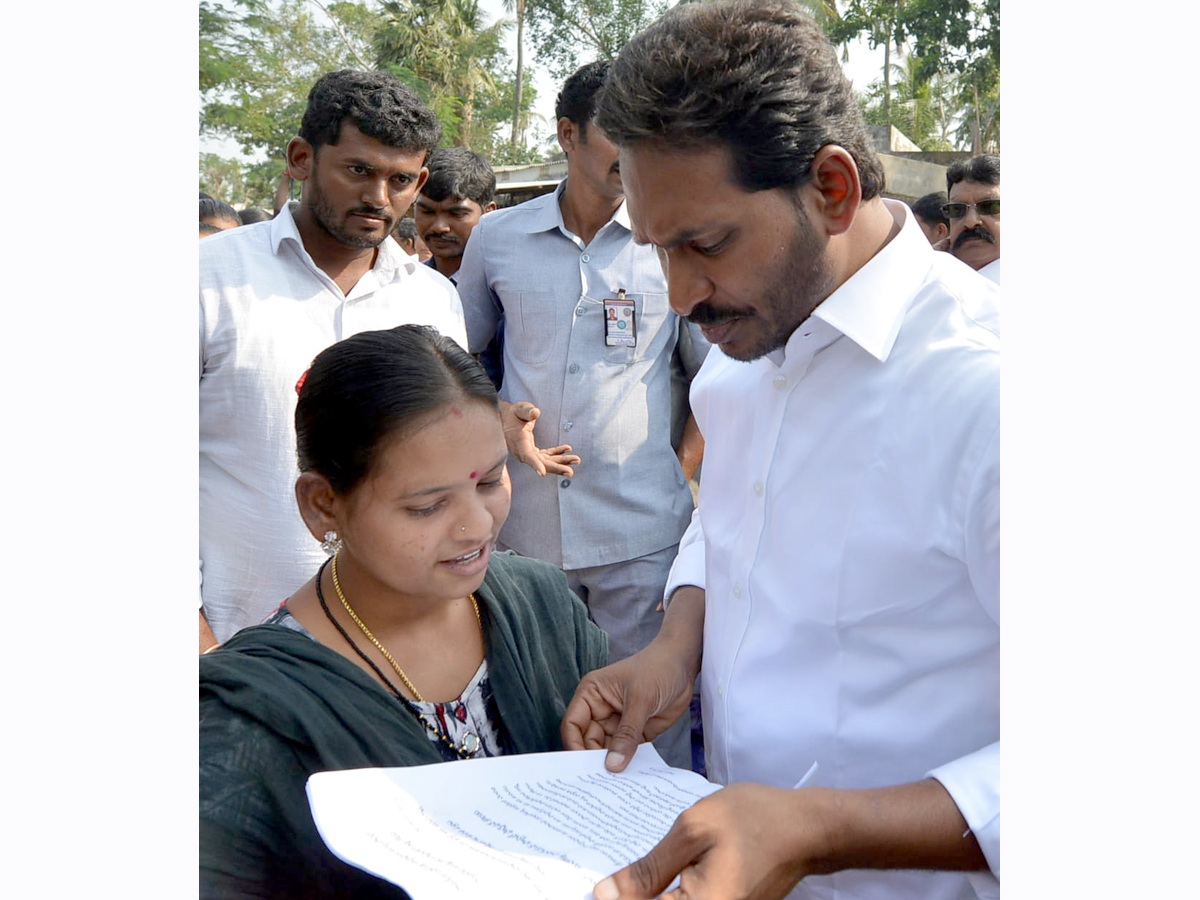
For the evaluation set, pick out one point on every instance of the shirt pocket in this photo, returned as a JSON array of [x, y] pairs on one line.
[[650, 312], [529, 328]]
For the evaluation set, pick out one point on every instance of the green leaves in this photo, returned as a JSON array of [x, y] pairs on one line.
[[567, 33], [950, 51]]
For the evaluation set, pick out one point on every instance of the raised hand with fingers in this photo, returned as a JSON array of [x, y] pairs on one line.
[[518, 419]]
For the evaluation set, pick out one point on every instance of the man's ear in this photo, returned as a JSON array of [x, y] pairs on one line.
[[300, 156], [568, 135], [943, 230], [838, 190], [319, 506], [491, 206]]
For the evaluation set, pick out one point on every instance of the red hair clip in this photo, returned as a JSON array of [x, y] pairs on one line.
[[300, 383]]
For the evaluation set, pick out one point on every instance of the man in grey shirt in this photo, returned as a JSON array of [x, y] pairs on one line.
[[592, 352]]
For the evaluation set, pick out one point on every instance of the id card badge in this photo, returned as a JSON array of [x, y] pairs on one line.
[[620, 328]]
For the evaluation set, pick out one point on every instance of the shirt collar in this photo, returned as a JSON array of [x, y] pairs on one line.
[[388, 260], [869, 307], [283, 228], [549, 216]]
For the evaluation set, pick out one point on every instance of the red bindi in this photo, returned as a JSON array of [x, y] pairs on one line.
[[473, 474]]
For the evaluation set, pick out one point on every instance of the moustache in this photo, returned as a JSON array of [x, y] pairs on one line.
[[707, 314], [977, 232], [368, 211]]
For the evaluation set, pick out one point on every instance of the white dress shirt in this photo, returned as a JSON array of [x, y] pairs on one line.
[[992, 270], [266, 310], [848, 538]]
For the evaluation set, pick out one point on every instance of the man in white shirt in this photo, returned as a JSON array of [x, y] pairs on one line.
[[840, 579], [974, 213], [272, 296]]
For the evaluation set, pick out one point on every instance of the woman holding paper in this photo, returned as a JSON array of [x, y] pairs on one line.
[[414, 643]]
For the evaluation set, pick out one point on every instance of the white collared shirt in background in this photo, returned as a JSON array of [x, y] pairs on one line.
[[848, 540], [266, 310]]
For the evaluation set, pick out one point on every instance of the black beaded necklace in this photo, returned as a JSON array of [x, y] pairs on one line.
[[456, 751]]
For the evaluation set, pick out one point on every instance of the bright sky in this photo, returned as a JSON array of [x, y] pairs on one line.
[[863, 67]]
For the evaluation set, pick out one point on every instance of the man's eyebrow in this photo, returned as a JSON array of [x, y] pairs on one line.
[[681, 237]]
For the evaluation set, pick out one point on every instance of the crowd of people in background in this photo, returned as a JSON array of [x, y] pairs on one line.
[[717, 469]]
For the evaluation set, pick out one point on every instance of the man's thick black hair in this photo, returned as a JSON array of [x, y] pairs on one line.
[[577, 99], [215, 209], [252, 214], [379, 105], [929, 209], [756, 76], [984, 169], [459, 173]]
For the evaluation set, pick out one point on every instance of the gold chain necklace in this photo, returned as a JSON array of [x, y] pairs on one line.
[[374, 640]]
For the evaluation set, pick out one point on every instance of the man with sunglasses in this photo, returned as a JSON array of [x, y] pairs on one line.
[[974, 213]]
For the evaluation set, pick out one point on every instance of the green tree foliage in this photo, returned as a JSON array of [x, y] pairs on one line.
[[517, 8], [951, 52], [567, 33], [442, 49], [260, 61], [458, 65], [221, 178], [495, 120], [238, 183], [918, 107]]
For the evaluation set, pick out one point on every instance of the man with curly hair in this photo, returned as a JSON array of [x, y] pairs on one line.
[[275, 294]]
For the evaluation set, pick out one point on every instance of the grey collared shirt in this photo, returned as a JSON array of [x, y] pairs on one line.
[[613, 405]]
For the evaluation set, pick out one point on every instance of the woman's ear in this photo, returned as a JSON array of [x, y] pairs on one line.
[[318, 504]]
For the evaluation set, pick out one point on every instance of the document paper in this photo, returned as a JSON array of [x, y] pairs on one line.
[[540, 825]]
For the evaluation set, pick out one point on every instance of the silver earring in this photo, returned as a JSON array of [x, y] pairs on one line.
[[332, 543]]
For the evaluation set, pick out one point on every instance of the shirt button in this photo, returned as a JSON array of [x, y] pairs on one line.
[[779, 381], [573, 368], [586, 258], [579, 310], [720, 692], [567, 426], [565, 483], [737, 591], [758, 488]]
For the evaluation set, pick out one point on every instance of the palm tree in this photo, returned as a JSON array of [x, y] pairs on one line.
[[518, 6], [441, 48]]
